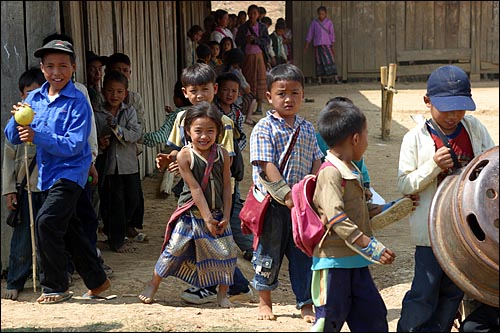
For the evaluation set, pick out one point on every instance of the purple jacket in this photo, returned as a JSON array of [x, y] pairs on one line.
[[321, 33]]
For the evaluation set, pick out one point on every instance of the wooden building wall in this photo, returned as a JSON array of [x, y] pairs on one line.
[[193, 12], [146, 31], [151, 33], [24, 26], [417, 35]]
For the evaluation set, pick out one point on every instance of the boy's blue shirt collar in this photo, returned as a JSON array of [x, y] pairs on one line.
[[69, 90]]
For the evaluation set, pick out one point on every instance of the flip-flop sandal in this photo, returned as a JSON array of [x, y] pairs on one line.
[[86, 296], [392, 212], [61, 297], [141, 237]]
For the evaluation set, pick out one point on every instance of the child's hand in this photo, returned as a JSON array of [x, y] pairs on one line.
[[163, 161], [15, 107], [288, 200], [211, 225], [415, 198], [11, 199], [387, 257], [375, 210], [93, 173], [112, 121], [221, 226], [104, 141], [26, 133], [373, 250], [173, 167], [443, 159], [368, 194], [168, 109]]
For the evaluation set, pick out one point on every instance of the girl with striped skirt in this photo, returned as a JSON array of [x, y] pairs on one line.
[[199, 247], [322, 35]]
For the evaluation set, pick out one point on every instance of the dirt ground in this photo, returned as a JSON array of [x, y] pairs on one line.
[[170, 313]]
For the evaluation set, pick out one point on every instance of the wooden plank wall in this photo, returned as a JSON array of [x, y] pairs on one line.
[[489, 36], [24, 25], [436, 32], [303, 14], [366, 37], [193, 12], [418, 35], [146, 32]]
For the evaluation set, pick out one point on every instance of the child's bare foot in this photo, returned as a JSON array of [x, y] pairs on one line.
[[147, 296], [222, 299], [308, 313], [10, 294], [100, 289], [265, 306], [224, 302]]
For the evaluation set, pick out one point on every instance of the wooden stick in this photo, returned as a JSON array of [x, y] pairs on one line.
[[383, 75], [389, 91], [383, 105], [391, 82], [32, 220], [388, 117]]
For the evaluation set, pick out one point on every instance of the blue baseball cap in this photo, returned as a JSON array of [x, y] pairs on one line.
[[448, 88]]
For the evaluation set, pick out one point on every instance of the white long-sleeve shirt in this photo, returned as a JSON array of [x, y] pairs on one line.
[[417, 172]]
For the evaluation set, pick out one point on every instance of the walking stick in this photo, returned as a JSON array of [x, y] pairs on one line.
[[24, 116], [32, 222]]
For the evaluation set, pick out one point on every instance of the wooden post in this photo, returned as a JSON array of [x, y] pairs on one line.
[[383, 86], [387, 106]]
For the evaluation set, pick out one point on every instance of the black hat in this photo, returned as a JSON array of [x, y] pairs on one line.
[[91, 56], [55, 46]]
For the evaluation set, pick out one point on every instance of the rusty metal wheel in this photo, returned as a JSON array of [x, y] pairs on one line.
[[463, 227]]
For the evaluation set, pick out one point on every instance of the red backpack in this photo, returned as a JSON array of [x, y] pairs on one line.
[[307, 227]]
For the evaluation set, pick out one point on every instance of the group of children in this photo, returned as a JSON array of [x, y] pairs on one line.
[[225, 32], [335, 285], [331, 288], [113, 169]]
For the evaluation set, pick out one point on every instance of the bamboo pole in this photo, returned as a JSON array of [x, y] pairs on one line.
[[32, 220], [387, 107], [383, 86]]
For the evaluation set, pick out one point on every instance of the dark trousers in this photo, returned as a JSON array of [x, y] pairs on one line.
[[58, 230], [122, 196], [352, 297], [433, 299], [88, 218], [21, 255], [137, 218], [483, 319], [244, 242], [87, 215]]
